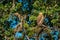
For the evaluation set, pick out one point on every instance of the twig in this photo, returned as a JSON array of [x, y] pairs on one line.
[[13, 3], [27, 37]]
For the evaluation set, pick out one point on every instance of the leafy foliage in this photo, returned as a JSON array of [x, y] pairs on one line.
[[49, 8]]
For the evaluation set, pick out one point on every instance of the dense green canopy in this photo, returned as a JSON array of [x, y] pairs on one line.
[[29, 11]]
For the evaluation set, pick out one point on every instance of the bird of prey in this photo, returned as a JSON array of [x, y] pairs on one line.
[[40, 19]]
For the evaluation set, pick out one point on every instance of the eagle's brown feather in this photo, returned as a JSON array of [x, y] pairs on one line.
[[40, 19]]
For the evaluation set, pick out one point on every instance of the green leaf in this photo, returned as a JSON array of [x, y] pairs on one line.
[[26, 25], [54, 21], [7, 33], [33, 18]]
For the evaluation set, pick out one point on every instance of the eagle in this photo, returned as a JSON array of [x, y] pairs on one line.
[[40, 19]]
